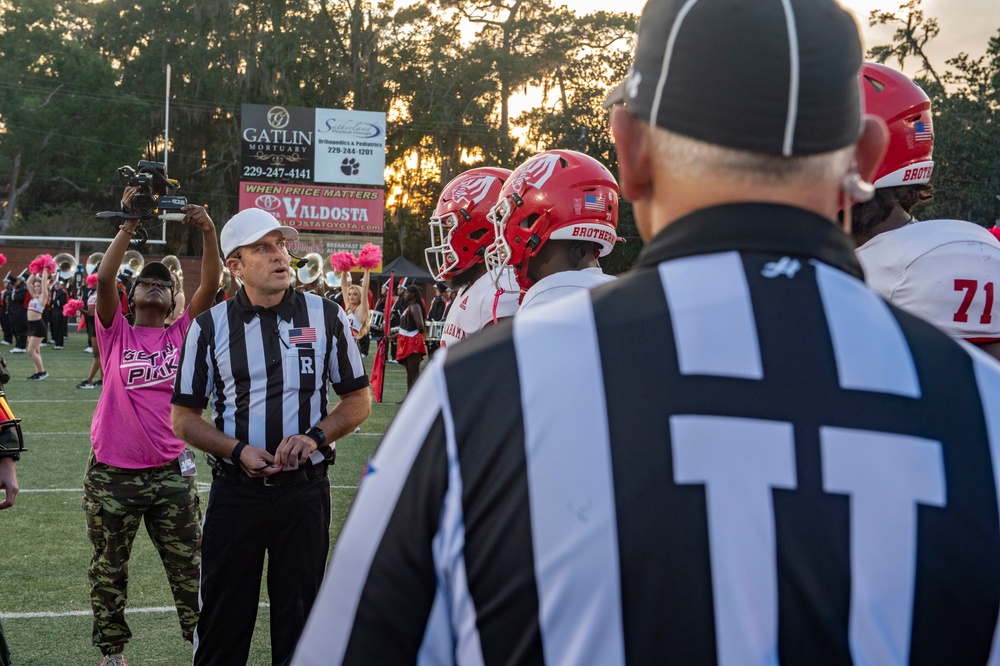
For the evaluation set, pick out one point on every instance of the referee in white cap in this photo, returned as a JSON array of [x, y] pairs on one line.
[[735, 454], [265, 360]]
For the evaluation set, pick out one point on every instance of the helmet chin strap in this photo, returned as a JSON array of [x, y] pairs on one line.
[[527, 274], [531, 244]]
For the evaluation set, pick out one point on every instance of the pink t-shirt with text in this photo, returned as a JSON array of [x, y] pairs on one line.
[[131, 427]]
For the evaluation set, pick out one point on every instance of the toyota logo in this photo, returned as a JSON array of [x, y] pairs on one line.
[[267, 202]]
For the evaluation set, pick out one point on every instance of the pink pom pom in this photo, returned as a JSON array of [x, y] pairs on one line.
[[342, 261], [993, 230], [370, 256], [72, 307], [3, 260], [92, 280], [42, 263]]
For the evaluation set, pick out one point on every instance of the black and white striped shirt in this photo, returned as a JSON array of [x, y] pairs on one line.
[[735, 454], [267, 371]]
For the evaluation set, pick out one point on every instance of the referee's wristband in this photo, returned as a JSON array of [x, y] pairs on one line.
[[317, 435], [235, 454]]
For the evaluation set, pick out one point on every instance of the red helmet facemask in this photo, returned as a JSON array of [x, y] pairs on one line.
[[460, 230]]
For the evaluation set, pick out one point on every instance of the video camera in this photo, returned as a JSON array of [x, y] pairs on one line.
[[152, 201]]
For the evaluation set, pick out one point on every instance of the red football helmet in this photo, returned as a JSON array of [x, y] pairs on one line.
[[906, 109], [460, 231], [560, 195]]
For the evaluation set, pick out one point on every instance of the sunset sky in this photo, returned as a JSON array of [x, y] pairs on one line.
[[966, 25]]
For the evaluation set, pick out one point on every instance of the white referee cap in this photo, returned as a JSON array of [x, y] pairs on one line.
[[249, 226]]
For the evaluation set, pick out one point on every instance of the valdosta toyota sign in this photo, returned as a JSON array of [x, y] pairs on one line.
[[318, 207], [318, 145]]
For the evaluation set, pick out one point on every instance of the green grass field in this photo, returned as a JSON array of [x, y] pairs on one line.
[[44, 599]]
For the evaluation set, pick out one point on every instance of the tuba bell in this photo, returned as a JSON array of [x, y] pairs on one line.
[[132, 261], [225, 280], [93, 261], [65, 265], [332, 279], [173, 265], [312, 270]]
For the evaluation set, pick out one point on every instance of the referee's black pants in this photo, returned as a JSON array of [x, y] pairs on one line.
[[242, 521]]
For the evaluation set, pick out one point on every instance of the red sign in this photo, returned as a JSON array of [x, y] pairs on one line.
[[318, 207]]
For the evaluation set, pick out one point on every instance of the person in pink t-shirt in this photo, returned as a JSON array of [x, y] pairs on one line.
[[139, 471]]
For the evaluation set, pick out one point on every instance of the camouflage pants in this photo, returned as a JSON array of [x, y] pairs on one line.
[[116, 501]]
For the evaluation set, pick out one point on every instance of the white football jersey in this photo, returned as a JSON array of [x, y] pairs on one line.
[[560, 284], [945, 271], [472, 307]]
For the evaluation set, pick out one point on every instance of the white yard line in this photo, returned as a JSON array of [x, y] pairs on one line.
[[18, 401], [49, 434], [202, 488], [88, 613]]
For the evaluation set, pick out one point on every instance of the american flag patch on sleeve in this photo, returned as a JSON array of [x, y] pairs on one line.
[[297, 336]]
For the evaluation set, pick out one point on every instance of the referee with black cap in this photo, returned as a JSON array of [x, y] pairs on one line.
[[266, 361], [780, 468]]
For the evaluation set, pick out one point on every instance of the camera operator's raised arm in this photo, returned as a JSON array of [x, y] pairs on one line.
[[107, 272], [211, 264]]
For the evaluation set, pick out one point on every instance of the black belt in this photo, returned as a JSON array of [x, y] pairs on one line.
[[292, 477]]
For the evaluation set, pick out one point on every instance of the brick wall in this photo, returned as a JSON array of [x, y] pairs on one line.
[[18, 259]]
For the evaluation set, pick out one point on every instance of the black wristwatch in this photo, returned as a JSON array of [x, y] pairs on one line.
[[317, 435]]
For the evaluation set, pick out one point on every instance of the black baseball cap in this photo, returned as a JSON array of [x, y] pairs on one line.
[[770, 76], [154, 269]]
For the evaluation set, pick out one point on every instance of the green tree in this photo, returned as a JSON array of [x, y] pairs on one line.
[[453, 96], [62, 137], [600, 55], [223, 54]]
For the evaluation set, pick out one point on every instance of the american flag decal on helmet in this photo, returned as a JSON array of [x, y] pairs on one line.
[[922, 131], [593, 202]]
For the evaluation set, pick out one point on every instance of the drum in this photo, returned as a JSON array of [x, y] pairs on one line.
[[434, 330], [376, 321]]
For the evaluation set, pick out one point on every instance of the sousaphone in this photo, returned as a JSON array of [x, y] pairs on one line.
[[312, 270], [93, 261], [65, 265], [133, 261]]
